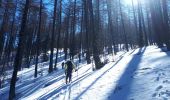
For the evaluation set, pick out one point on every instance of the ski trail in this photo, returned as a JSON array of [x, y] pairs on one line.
[[67, 93]]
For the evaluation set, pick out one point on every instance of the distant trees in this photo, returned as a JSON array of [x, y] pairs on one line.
[[160, 19], [166, 27]]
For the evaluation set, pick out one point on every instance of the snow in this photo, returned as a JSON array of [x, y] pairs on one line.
[[141, 74]]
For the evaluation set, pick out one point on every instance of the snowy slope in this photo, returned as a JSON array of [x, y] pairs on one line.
[[141, 74]]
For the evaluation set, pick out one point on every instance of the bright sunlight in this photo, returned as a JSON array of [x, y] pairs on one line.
[[129, 2]]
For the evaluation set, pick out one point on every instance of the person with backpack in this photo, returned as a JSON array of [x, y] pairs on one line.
[[69, 67]]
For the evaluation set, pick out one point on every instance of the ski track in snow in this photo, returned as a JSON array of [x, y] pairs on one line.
[[141, 74]]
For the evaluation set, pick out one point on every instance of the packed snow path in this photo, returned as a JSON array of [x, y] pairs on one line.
[[141, 74]]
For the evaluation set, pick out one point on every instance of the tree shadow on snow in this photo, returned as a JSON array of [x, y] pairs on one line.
[[28, 88], [124, 84], [84, 91]]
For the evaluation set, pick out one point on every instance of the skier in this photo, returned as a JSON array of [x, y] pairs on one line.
[[69, 66]]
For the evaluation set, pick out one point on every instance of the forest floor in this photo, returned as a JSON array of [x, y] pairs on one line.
[[141, 74]]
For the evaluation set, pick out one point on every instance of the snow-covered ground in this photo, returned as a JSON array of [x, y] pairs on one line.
[[141, 74]]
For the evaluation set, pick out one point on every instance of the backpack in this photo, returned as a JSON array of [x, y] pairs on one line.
[[69, 66]]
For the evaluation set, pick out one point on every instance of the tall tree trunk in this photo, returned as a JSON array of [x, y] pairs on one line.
[[143, 24], [81, 34], [66, 35], [52, 38], [156, 22], [59, 34], [135, 20], [12, 33], [94, 32], [150, 37], [110, 22], [38, 39], [4, 26], [86, 23], [0, 3], [141, 43], [166, 24], [19, 53], [73, 31], [123, 25]]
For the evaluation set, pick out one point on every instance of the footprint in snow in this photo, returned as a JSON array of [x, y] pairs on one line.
[[159, 87], [46, 85], [164, 94], [157, 79], [166, 81], [161, 74], [154, 95], [165, 98], [167, 93], [146, 68], [118, 88]]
